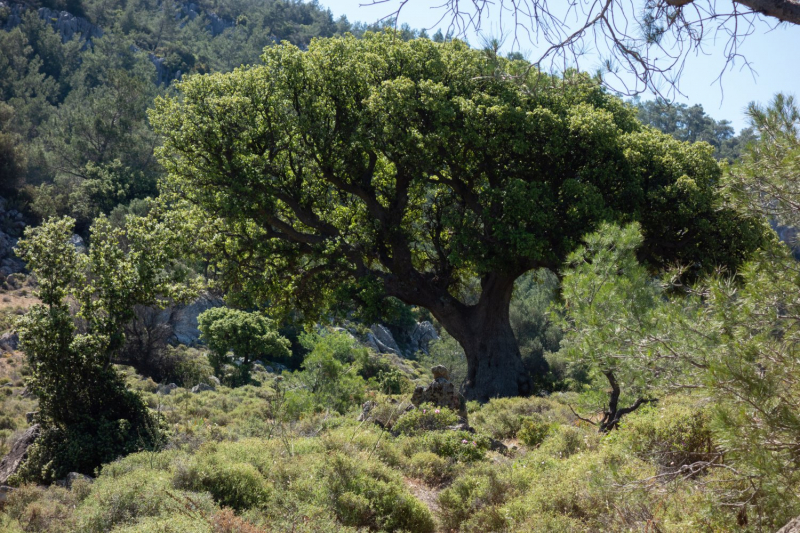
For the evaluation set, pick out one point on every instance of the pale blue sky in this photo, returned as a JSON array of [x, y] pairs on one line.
[[773, 54]]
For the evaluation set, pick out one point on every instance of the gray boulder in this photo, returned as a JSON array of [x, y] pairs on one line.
[[9, 341], [183, 319], [422, 335], [792, 527], [165, 390], [19, 452], [385, 338], [214, 381], [71, 478], [201, 387]]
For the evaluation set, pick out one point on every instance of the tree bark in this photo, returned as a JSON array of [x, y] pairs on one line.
[[494, 363]]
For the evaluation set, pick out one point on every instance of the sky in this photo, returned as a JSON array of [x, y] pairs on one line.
[[773, 54]]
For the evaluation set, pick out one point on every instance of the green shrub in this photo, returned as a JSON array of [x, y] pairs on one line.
[[502, 418], [674, 433], [237, 485], [191, 366], [458, 445], [534, 430], [428, 466], [364, 493], [330, 372], [564, 441], [474, 492], [122, 499], [425, 417], [176, 522]]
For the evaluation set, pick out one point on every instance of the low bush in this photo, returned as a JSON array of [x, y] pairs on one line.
[[118, 500], [364, 493], [674, 433], [534, 430], [430, 467], [426, 417], [458, 445], [503, 418]]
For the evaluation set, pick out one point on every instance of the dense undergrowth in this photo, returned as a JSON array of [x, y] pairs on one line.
[[233, 460]]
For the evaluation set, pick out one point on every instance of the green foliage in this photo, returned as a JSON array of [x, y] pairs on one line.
[[88, 417], [691, 124], [414, 161], [765, 180], [366, 494], [457, 445], [248, 336], [611, 303], [674, 434], [330, 373], [534, 431], [119, 499], [503, 418], [238, 485], [425, 417], [538, 335]]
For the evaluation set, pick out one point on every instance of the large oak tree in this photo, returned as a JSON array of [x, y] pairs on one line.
[[379, 168]]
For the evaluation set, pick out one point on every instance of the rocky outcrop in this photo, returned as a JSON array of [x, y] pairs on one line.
[[67, 25], [380, 339], [441, 392], [71, 478], [216, 24], [183, 319], [202, 387], [9, 341], [421, 337], [5, 490], [19, 452]]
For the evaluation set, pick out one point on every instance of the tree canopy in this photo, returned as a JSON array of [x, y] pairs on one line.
[[367, 168]]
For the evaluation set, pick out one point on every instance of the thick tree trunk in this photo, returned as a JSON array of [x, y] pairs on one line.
[[494, 363]]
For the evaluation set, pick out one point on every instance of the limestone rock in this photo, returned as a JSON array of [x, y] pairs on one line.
[[366, 407], [440, 372], [421, 337], [440, 392], [183, 319], [9, 341], [202, 387], [216, 24], [792, 527], [19, 452], [165, 390], [214, 381], [71, 478], [78, 242]]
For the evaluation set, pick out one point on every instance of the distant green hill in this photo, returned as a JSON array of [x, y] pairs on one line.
[[77, 76]]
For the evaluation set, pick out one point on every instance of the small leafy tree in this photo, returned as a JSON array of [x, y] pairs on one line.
[[613, 314], [87, 415], [331, 371], [237, 338]]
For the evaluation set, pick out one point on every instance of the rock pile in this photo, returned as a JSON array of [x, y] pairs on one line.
[[441, 392]]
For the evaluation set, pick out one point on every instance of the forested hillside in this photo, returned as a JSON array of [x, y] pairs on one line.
[[274, 271], [76, 79]]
